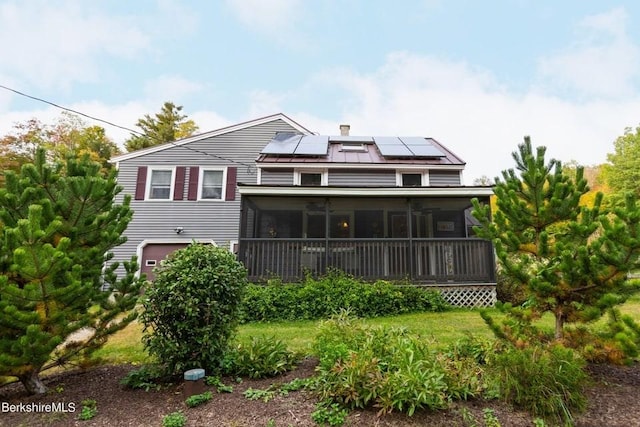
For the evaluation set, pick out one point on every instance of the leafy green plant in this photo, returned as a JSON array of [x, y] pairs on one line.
[[327, 295], [259, 394], [218, 384], [191, 311], [262, 357], [490, 419], [146, 377], [329, 413], [174, 419], [546, 381], [198, 399], [89, 409], [384, 367]]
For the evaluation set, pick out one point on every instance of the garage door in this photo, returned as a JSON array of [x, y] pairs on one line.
[[152, 254]]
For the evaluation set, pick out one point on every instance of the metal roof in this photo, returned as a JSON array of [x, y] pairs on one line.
[[373, 150]]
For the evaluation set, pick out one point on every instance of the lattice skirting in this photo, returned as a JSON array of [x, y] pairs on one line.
[[468, 295]]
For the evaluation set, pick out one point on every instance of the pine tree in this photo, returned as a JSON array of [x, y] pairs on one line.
[[58, 224], [572, 260], [168, 125]]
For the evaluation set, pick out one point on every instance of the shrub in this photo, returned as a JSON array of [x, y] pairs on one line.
[[384, 367], [546, 381], [191, 310], [146, 377], [325, 296], [262, 357]]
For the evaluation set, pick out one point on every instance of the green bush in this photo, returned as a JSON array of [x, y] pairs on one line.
[[260, 358], [385, 367], [320, 298], [146, 377], [546, 381], [191, 309]]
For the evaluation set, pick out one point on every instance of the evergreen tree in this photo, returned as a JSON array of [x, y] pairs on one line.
[[168, 125], [572, 260], [58, 224]]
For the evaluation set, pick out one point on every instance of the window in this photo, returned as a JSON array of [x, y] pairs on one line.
[[411, 179], [356, 147], [160, 184], [311, 179], [212, 184]]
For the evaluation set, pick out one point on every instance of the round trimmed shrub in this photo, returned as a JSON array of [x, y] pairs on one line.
[[191, 309]]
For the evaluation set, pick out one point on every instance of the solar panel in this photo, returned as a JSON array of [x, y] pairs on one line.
[[391, 146], [312, 145], [425, 151], [282, 143]]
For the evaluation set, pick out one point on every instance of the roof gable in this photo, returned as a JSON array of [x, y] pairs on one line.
[[210, 134]]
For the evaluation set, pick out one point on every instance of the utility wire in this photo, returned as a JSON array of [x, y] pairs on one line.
[[250, 168]]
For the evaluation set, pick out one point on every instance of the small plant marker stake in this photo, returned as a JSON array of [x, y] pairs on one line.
[[193, 382]]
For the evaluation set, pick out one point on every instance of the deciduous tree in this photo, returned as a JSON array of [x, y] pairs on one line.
[[622, 173], [58, 225], [572, 260]]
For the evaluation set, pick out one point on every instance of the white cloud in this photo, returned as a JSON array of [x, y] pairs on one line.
[[53, 44], [473, 115], [602, 62]]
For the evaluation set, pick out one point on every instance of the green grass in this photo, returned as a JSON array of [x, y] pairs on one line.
[[443, 328]]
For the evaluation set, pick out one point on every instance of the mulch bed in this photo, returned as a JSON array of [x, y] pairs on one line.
[[613, 401]]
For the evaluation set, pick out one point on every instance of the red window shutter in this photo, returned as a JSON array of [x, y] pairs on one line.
[[232, 174], [178, 189], [141, 183], [194, 175]]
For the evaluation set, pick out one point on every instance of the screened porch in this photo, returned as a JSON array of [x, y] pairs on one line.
[[424, 239]]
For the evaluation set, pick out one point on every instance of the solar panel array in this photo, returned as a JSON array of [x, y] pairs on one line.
[[292, 144], [285, 143], [407, 146]]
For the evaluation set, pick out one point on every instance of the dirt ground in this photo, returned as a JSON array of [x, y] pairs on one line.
[[613, 401]]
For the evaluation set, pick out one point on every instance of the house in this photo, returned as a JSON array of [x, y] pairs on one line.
[[291, 202]]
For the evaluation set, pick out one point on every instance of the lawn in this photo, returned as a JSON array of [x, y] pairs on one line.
[[443, 328]]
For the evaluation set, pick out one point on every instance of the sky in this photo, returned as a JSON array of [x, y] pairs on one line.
[[475, 75]]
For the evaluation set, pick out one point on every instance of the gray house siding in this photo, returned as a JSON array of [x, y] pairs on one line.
[[277, 176], [216, 221], [441, 178], [359, 178]]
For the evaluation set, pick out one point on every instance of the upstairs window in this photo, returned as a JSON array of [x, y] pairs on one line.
[[160, 184], [212, 185], [311, 179], [411, 179]]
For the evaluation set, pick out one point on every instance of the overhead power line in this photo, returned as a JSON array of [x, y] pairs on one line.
[[133, 131]]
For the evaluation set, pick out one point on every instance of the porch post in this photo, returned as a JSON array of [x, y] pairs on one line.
[[327, 228], [410, 231]]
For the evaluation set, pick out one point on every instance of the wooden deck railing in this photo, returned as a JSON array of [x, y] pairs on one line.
[[424, 260]]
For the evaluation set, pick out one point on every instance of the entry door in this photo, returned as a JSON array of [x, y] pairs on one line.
[[152, 254]]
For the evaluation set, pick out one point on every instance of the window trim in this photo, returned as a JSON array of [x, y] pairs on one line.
[[223, 193], [423, 173], [150, 170], [324, 176]]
